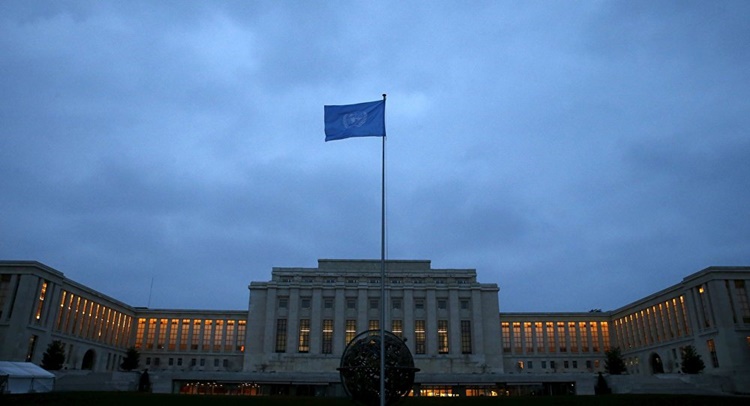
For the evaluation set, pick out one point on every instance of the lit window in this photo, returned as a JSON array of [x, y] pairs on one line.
[[351, 330], [419, 337], [443, 336], [327, 337], [304, 335]]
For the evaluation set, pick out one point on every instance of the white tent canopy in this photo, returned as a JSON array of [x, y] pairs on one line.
[[24, 377]]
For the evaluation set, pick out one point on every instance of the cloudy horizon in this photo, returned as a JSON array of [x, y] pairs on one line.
[[581, 155]]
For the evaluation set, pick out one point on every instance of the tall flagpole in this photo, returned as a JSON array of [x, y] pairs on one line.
[[382, 276]]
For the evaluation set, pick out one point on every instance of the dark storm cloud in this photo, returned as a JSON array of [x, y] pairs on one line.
[[581, 157]]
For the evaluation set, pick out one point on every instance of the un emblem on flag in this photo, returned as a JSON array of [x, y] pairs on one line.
[[355, 120]]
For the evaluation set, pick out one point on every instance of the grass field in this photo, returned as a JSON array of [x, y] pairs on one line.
[[140, 399]]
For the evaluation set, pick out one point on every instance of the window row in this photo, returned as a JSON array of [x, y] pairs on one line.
[[84, 318], [171, 362], [351, 328], [305, 302], [191, 334], [656, 324], [554, 337], [555, 365]]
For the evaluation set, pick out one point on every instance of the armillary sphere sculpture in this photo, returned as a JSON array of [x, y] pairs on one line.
[[360, 368]]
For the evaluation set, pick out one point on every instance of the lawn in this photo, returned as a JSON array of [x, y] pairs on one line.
[[140, 399]]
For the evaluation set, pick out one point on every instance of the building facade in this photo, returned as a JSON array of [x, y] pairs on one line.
[[290, 338]]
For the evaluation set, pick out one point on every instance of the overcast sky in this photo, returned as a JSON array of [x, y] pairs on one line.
[[580, 154]]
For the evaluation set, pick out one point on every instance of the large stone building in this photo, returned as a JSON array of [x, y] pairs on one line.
[[298, 323]]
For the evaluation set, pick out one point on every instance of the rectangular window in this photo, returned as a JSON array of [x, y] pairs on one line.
[[550, 327], [566, 364], [173, 334], [374, 325], [544, 364], [530, 364], [741, 293], [162, 334], [505, 329], [40, 303], [465, 304], [327, 337], [397, 329], [419, 304], [465, 337], [218, 335], [151, 334], [31, 348], [196, 339], [374, 304], [573, 335], [281, 335], [283, 302], [305, 302], [561, 336], [207, 333], [605, 335], [351, 303], [517, 343], [351, 330], [442, 304], [419, 337], [396, 304], [229, 338], [443, 336], [241, 331], [304, 335], [584, 336], [684, 315], [139, 333], [594, 336], [527, 337], [712, 350], [703, 298], [328, 303], [539, 337], [184, 332], [5, 288]]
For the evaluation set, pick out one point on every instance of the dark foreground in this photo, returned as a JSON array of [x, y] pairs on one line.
[[139, 399]]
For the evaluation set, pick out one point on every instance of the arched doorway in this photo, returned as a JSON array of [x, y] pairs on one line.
[[656, 365], [88, 360]]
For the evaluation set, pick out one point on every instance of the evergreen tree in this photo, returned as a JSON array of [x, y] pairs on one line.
[[131, 360], [691, 361], [54, 358], [614, 364], [601, 387]]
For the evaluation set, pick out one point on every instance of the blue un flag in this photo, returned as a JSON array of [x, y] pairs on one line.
[[355, 120]]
